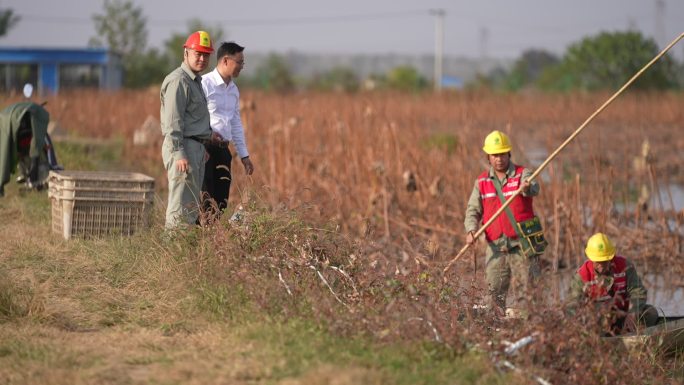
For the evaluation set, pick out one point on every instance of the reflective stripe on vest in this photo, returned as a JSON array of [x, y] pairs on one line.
[[521, 207], [617, 292]]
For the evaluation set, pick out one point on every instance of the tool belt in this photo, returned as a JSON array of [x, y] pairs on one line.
[[531, 234], [209, 142], [198, 139]]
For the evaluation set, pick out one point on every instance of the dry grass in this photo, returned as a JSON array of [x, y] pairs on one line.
[[205, 308], [336, 251], [343, 159]]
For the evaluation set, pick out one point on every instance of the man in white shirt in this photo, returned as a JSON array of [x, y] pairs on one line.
[[223, 101]]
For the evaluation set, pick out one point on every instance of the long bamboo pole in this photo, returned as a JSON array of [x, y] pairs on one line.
[[561, 147]]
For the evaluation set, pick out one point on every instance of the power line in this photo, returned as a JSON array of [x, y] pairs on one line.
[[249, 22], [55, 19], [324, 19]]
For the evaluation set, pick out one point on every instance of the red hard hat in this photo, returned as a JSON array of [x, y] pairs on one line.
[[200, 42]]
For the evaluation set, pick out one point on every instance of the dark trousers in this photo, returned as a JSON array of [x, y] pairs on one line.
[[51, 155], [217, 178]]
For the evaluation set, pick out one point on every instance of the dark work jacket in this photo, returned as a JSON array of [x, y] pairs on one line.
[[10, 122]]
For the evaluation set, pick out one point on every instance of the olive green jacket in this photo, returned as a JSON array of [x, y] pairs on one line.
[[10, 121], [184, 111], [636, 290]]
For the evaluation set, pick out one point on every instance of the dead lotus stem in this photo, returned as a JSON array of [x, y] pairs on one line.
[[432, 327], [509, 365], [419, 223], [328, 285], [344, 273], [280, 277], [405, 226], [385, 211], [519, 344]]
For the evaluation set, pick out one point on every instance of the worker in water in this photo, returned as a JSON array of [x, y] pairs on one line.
[[611, 282]]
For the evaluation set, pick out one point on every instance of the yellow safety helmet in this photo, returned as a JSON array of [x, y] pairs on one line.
[[600, 248], [497, 143]]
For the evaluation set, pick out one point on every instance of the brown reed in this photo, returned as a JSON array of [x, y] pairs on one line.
[[343, 156]]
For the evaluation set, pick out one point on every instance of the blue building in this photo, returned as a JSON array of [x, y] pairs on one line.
[[453, 82], [51, 69]]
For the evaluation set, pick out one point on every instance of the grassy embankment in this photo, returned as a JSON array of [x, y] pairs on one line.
[[144, 310]]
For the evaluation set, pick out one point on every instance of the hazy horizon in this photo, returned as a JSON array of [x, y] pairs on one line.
[[492, 29]]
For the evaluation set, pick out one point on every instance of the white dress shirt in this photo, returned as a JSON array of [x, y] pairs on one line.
[[223, 101]]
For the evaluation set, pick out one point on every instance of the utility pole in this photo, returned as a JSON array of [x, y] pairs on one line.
[[632, 25], [660, 22], [484, 44], [439, 46]]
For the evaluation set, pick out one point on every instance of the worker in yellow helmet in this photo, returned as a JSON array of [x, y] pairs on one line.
[[510, 252], [612, 281]]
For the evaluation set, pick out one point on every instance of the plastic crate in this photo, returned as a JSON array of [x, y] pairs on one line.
[[97, 203]]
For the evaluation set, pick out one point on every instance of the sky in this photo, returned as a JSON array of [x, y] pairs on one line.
[[476, 28]]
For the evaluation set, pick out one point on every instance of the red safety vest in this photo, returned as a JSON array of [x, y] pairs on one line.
[[521, 207], [617, 292]]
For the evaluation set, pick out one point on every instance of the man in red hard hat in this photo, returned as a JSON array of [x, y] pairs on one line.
[[184, 119]]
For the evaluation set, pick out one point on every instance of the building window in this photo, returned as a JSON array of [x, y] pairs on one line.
[[14, 76], [79, 76]]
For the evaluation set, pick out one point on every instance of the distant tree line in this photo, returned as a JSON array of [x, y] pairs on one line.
[[122, 28], [604, 61]]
